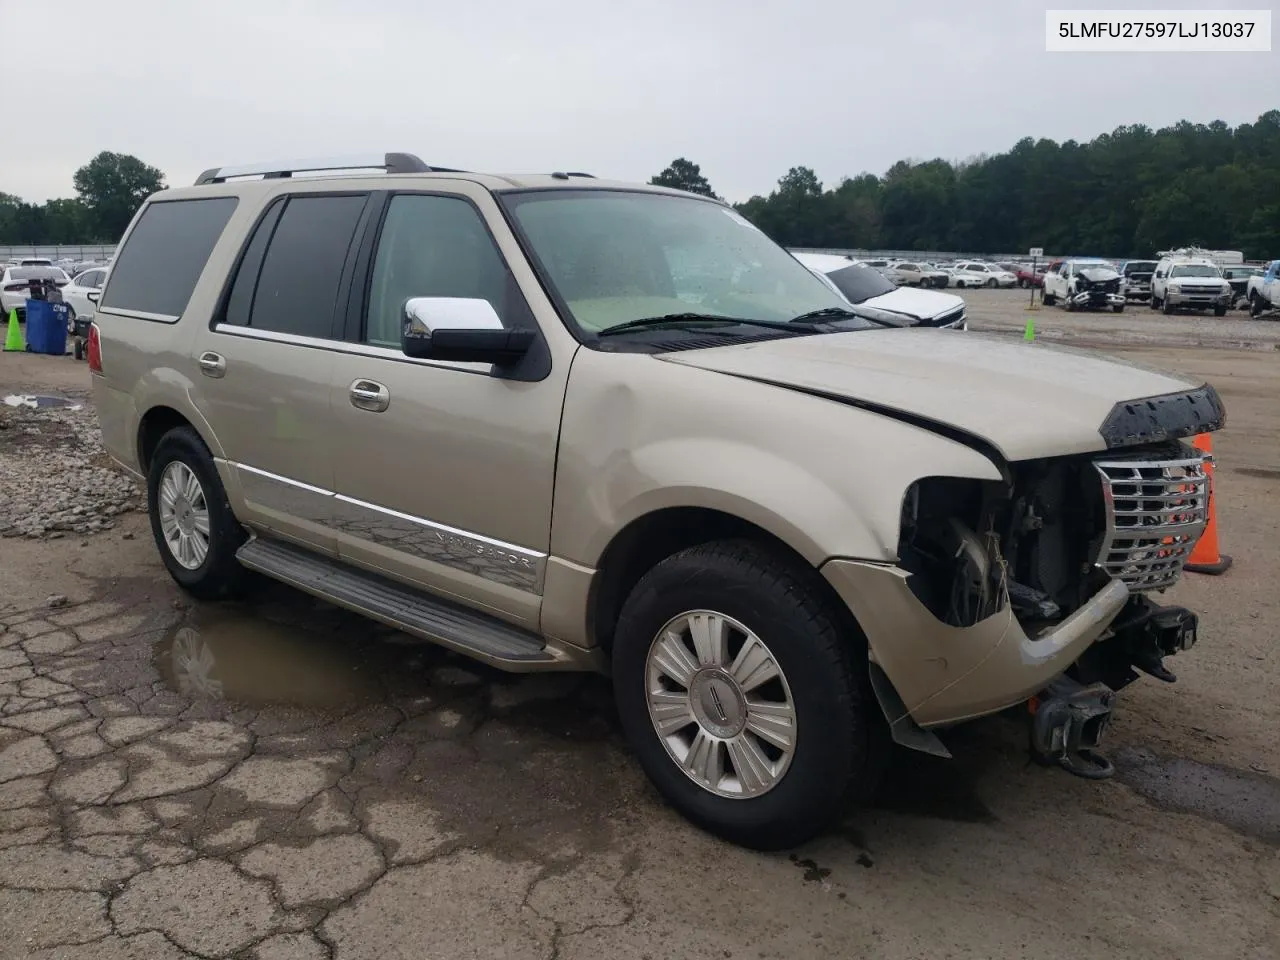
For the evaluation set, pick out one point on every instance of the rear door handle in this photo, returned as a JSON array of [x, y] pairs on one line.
[[213, 364], [370, 395]]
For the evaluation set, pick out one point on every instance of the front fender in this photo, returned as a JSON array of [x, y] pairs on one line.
[[640, 435]]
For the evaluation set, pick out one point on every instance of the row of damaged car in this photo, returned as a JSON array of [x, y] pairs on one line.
[[1178, 282]]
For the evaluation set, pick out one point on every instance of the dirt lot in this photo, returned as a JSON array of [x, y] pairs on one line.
[[277, 779]]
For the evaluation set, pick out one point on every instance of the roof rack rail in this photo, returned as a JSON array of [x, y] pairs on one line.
[[390, 162], [566, 174]]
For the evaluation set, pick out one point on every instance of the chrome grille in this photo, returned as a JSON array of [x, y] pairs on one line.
[[1156, 511]]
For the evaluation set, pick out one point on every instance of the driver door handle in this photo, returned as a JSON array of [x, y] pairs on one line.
[[369, 395]]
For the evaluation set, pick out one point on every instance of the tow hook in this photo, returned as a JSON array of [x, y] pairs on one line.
[[1067, 723]]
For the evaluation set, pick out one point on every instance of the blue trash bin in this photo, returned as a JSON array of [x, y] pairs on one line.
[[47, 327]]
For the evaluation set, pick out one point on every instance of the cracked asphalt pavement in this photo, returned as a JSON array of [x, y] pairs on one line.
[[276, 778]]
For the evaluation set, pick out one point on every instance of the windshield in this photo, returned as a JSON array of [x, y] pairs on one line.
[[1139, 266], [859, 283], [615, 257], [1194, 270]]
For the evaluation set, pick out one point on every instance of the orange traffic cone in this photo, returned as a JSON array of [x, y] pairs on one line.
[[1205, 558]]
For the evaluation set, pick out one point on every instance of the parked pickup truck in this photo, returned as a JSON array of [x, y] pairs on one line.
[[1264, 291], [1136, 275], [554, 422], [1238, 275], [1083, 285]]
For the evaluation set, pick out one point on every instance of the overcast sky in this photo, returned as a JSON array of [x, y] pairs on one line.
[[746, 88]]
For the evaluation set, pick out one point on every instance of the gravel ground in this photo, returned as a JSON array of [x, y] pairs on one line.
[[1006, 311], [55, 480]]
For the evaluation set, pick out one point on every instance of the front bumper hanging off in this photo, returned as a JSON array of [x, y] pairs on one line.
[[1088, 298]]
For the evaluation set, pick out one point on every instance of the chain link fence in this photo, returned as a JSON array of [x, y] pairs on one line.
[[69, 251]]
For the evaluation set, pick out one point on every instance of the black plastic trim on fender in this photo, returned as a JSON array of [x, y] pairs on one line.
[[972, 441], [1169, 416]]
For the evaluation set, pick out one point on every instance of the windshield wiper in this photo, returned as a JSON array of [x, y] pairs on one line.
[[826, 313], [692, 318]]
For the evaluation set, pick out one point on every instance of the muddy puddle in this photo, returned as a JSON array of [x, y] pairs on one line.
[[225, 653], [38, 402], [1242, 800]]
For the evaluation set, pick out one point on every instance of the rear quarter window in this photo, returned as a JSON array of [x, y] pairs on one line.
[[162, 258]]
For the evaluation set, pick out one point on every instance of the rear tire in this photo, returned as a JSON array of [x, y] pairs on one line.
[[821, 672], [1118, 308], [992, 283], [1048, 299], [192, 523]]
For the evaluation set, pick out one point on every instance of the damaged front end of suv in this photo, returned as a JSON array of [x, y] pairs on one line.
[[1095, 288], [1063, 556]]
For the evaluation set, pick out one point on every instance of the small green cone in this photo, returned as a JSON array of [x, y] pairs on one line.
[[14, 342], [1029, 334]]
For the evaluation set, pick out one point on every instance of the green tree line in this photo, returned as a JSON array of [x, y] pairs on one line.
[[109, 190], [1126, 193]]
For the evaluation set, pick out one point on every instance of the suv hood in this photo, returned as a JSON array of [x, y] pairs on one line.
[[922, 304], [1025, 400]]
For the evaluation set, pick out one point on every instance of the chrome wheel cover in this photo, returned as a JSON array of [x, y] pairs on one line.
[[720, 704], [184, 515]]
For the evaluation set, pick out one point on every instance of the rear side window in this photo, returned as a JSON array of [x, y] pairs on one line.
[[297, 288], [156, 271]]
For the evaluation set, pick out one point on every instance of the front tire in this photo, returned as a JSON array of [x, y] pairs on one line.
[[191, 520], [1118, 308], [1165, 308], [1219, 311], [745, 701], [992, 283]]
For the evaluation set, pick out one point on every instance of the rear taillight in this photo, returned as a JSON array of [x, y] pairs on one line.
[[95, 349], [15, 287]]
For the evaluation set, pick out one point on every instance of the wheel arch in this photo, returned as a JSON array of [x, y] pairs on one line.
[[153, 425], [654, 536]]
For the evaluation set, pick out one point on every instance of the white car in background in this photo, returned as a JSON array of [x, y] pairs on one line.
[[864, 287], [975, 273], [911, 273], [15, 286], [81, 294]]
